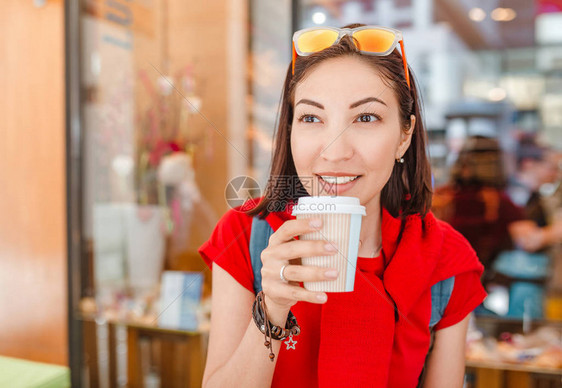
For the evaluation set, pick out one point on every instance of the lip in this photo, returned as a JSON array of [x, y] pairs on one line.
[[334, 173], [334, 188]]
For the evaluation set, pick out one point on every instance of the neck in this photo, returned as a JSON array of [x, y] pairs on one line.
[[370, 235]]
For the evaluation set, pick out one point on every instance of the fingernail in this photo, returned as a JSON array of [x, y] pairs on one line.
[[330, 247], [315, 223], [332, 274], [322, 297]]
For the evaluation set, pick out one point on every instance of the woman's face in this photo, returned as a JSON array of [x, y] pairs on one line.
[[346, 125]]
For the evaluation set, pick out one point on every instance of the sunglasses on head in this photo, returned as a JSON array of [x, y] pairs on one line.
[[370, 40]]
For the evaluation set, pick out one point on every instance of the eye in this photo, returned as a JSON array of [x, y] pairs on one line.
[[307, 118], [367, 118]]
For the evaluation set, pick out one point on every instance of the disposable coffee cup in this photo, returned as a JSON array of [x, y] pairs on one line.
[[341, 223]]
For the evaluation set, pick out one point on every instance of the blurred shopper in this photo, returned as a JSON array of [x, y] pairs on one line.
[[539, 181], [475, 202], [551, 203], [535, 167]]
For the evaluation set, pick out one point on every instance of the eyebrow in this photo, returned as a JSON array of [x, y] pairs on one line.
[[354, 105], [365, 100], [310, 102]]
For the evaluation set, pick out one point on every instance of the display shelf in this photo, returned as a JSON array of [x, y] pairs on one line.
[[516, 321], [140, 325], [176, 356], [517, 367]]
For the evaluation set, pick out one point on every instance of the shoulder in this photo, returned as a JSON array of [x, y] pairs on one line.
[[237, 217], [234, 217], [230, 236], [234, 224], [457, 255], [228, 246], [452, 239], [509, 207]]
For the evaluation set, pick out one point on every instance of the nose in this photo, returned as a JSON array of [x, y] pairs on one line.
[[337, 144]]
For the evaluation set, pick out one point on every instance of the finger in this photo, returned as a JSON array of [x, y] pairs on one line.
[[292, 228], [299, 248], [284, 291], [301, 273]]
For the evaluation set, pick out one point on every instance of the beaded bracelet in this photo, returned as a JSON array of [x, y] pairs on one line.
[[271, 332]]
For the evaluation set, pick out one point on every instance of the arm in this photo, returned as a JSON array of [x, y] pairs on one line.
[[445, 366], [235, 342], [524, 234], [552, 234], [532, 238]]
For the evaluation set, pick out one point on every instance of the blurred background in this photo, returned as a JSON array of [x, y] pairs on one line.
[[124, 122]]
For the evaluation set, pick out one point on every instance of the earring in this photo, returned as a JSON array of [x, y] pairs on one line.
[[401, 160]]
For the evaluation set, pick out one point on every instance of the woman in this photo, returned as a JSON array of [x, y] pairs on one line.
[[350, 114], [475, 203]]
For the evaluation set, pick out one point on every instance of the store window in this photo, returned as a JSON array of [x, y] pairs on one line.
[[177, 98], [162, 86]]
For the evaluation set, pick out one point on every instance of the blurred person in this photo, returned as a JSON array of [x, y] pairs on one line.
[[545, 208], [549, 238], [535, 167], [353, 118], [475, 202]]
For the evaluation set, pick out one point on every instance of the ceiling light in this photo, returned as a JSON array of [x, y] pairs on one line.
[[318, 17], [477, 14], [503, 14], [497, 94]]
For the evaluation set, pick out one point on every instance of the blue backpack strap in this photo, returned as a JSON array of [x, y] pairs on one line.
[[440, 295], [259, 239]]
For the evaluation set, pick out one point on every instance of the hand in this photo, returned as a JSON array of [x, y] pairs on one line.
[[532, 241], [282, 248], [527, 235]]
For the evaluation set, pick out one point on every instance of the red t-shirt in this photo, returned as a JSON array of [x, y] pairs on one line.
[[298, 365], [483, 219]]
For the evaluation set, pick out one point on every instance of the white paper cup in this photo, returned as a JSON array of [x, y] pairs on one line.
[[341, 223]]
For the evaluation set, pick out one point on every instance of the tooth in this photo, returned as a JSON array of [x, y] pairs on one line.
[[339, 180]]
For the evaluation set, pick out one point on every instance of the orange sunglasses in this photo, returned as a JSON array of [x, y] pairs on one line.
[[371, 40]]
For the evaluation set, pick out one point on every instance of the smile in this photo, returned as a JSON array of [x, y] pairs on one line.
[[338, 180], [337, 183]]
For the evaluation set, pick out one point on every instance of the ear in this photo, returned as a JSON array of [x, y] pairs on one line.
[[405, 138]]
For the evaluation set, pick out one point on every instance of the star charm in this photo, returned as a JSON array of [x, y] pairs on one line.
[[290, 343]]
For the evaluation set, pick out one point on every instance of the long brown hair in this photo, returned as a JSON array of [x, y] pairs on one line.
[[408, 191], [479, 164]]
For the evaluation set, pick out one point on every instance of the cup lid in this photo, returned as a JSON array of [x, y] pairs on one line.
[[328, 204]]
